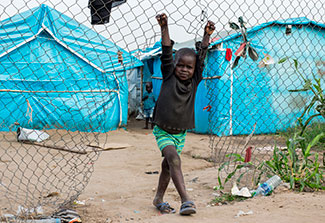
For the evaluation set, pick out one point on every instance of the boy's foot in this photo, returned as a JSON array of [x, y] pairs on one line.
[[187, 208], [165, 208]]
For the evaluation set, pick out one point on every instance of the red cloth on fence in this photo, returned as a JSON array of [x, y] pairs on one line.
[[228, 54], [248, 154]]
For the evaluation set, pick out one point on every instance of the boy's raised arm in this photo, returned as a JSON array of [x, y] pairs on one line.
[[208, 30], [162, 21], [203, 48], [167, 63]]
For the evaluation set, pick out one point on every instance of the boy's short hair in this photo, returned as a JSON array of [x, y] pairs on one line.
[[184, 52]]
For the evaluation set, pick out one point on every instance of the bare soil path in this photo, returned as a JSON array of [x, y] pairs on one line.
[[120, 190]]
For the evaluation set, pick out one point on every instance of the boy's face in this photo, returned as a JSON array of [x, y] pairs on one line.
[[148, 87], [185, 67]]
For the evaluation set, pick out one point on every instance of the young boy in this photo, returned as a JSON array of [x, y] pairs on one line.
[[174, 111], [148, 104]]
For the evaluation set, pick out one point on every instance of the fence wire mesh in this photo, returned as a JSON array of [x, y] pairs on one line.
[[71, 71]]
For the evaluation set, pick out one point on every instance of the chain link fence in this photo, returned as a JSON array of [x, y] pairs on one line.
[[71, 71], [253, 102]]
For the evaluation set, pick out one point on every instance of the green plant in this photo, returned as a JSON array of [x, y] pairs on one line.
[[318, 100], [297, 164], [226, 198], [245, 45], [299, 168], [310, 132], [240, 163]]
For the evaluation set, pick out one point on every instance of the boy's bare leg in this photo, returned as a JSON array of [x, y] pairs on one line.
[[147, 123], [152, 124], [174, 163], [164, 179]]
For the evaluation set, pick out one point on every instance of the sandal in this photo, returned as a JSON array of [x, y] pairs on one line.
[[165, 208], [187, 208]]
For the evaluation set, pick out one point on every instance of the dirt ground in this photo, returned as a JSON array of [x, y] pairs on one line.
[[120, 190]]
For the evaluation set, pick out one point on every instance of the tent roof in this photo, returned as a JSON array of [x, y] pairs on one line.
[[292, 21], [82, 41]]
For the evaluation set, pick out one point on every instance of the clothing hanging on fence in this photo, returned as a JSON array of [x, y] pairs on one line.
[[100, 10]]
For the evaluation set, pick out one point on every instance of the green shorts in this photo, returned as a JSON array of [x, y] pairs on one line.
[[164, 139]]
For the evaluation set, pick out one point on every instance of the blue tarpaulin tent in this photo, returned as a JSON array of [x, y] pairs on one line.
[[248, 95], [251, 95], [58, 73]]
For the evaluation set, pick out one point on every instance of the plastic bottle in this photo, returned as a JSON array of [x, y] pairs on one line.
[[267, 187]]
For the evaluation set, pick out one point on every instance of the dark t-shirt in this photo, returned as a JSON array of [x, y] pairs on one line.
[[174, 110]]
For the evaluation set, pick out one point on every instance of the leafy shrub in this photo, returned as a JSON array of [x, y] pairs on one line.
[[296, 164], [317, 102]]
